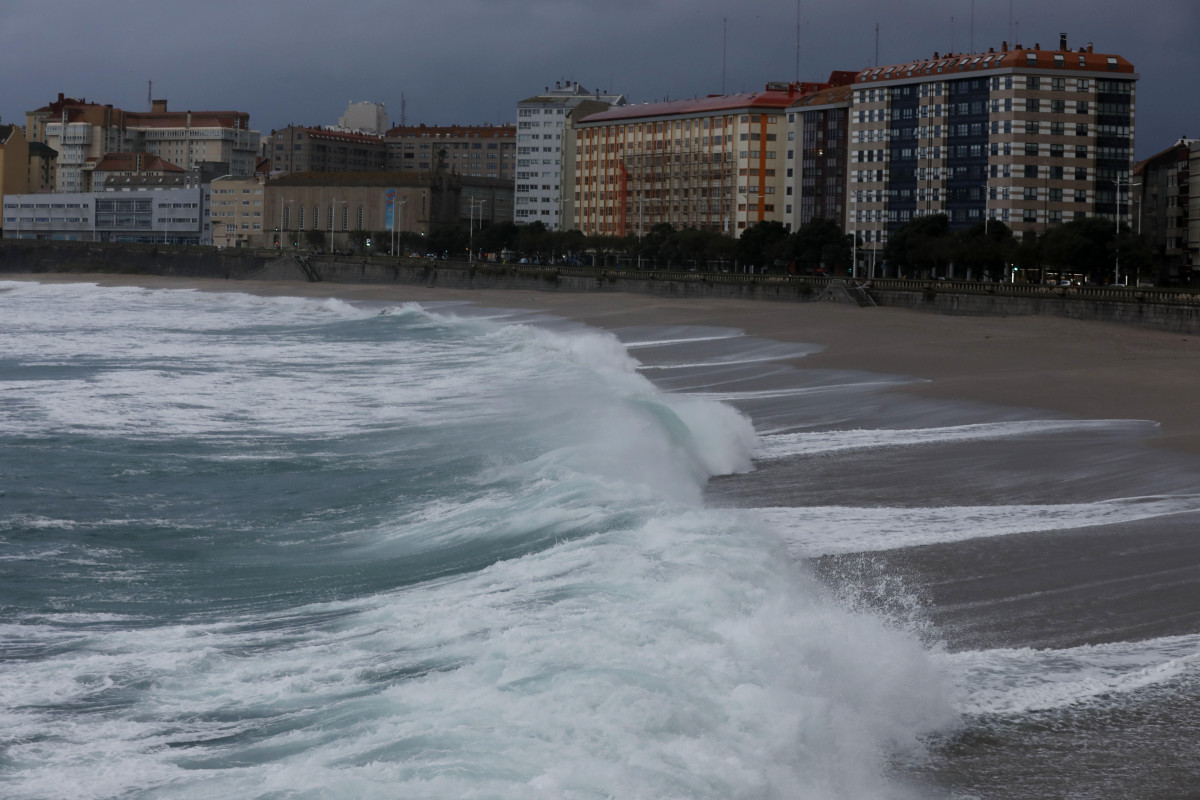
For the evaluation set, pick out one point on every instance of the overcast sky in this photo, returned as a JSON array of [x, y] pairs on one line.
[[470, 61]]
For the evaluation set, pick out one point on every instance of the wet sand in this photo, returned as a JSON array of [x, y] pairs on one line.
[[1091, 370]]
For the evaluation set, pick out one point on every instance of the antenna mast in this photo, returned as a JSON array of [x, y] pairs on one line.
[[149, 95]]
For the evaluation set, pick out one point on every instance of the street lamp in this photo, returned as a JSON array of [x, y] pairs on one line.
[[333, 204], [474, 203], [1116, 247]]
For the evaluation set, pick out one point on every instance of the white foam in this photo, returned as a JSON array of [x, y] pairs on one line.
[[1020, 681], [827, 530], [787, 445]]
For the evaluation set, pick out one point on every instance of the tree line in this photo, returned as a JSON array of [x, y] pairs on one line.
[[1087, 249]]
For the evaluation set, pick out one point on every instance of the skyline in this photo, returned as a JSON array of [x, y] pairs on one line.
[[469, 62]]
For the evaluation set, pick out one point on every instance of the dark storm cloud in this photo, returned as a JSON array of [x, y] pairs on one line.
[[470, 61]]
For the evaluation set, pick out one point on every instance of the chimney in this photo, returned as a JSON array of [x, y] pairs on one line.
[[1004, 47]]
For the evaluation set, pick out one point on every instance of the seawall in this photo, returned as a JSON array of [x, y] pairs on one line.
[[1164, 309]]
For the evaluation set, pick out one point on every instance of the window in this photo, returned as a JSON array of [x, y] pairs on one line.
[[1033, 81], [1033, 104], [1031, 171], [1031, 128], [1031, 149]]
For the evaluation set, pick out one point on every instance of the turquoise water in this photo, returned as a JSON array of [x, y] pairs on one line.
[[263, 547]]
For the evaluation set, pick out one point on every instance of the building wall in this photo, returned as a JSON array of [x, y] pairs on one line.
[[716, 165], [483, 151], [541, 121], [1028, 137], [237, 211], [299, 149], [14, 163], [167, 216]]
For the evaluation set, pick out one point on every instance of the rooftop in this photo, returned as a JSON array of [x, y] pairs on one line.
[[1082, 60]]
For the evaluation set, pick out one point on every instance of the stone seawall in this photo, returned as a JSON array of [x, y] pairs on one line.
[[1172, 310]]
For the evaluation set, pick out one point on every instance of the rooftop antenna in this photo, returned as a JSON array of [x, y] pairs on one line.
[[724, 41], [972, 26], [797, 41], [403, 111], [952, 50], [150, 95], [1011, 34], [877, 44]]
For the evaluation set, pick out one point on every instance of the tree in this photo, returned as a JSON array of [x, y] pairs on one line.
[[762, 245], [315, 240], [923, 245], [820, 243], [987, 247]]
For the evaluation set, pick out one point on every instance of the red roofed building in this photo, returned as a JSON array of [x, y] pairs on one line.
[[714, 163], [1029, 137], [82, 133]]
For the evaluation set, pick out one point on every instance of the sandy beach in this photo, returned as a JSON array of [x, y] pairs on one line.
[[1090, 370]]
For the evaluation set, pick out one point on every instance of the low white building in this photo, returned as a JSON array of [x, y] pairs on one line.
[[137, 214]]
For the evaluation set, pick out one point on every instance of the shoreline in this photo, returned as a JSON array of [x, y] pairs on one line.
[[1089, 370]]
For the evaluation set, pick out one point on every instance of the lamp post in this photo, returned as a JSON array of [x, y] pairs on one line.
[[333, 204], [474, 203]]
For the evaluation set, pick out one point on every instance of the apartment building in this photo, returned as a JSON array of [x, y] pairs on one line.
[[1162, 209], [82, 133], [237, 211], [300, 149], [14, 163], [541, 122], [1027, 136], [481, 151], [713, 163], [818, 148]]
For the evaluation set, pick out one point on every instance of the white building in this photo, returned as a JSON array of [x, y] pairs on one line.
[[138, 214], [364, 117], [540, 123]]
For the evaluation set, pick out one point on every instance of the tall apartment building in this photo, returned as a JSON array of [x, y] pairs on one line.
[[818, 147], [1162, 208], [482, 151], [82, 133], [715, 163], [300, 149], [541, 121], [1029, 137]]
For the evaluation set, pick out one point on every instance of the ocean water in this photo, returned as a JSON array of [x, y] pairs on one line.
[[260, 547]]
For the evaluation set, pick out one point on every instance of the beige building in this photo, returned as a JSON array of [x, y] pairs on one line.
[[480, 151], [300, 149], [715, 163], [14, 165], [341, 204], [82, 133], [237, 211]]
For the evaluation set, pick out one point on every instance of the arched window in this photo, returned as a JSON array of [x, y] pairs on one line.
[[360, 218], [287, 217], [331, 219], [301, 218], [316, 218], [345, 217]]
